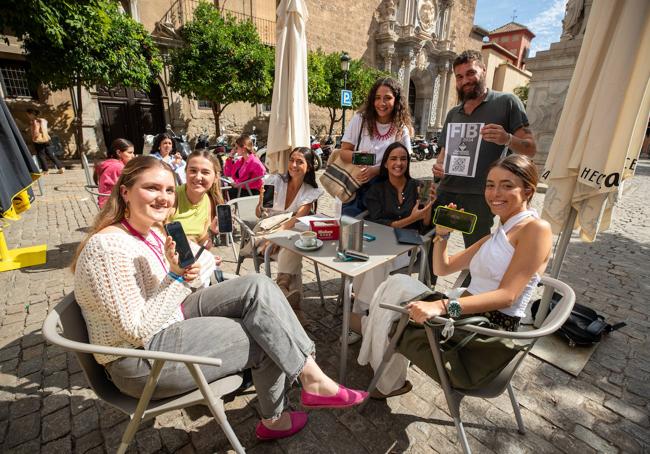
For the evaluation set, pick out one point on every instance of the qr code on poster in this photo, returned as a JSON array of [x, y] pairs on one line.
[[459, 165]]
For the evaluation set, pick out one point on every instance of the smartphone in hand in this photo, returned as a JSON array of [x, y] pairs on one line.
[[455, 219], [363, 159], [224, 216], [185, 255], [269, 192]]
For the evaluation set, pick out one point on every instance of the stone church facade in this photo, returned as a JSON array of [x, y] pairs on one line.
[[415, 40]]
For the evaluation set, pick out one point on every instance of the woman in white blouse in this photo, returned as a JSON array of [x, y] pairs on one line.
[[382, 120], [295, 192]]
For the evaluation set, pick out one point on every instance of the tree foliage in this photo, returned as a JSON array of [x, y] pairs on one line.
[[522, 93], [360, 79], [83, 43], [222, 60]]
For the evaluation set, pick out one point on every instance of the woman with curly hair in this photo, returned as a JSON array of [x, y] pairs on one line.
[[382, 120]]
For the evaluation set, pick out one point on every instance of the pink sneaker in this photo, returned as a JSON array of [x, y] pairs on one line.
[[344, 398], [298, 421]]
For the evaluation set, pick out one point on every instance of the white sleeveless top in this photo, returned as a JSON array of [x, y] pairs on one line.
[[491, 261]]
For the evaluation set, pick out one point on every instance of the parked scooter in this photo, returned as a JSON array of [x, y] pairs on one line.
[[182, 145], [433, 149]]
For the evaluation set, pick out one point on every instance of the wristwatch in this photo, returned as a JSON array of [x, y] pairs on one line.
[[453, 308]]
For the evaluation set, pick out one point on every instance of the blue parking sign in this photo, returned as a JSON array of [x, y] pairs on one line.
[[346, 98]]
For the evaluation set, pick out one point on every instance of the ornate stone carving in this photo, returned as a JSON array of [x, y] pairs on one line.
[[421, 62], [574, 20], [427, 15], [165, 27], [386, 11], [434, 100]]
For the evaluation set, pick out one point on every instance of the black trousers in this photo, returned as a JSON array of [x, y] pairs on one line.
[[43, 150]]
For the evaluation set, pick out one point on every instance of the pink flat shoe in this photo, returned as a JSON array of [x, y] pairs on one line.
[[344, 398], [298, 421]]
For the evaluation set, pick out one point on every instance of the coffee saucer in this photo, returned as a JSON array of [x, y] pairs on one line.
[[299, 245]]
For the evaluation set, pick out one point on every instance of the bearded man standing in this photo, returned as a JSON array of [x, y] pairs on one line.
[[480, 129]]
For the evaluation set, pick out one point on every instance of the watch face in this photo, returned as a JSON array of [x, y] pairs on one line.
[[453, 309]]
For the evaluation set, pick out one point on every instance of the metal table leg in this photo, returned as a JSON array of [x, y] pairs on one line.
[[347, 297]]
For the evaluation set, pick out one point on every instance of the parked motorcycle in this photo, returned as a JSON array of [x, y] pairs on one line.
[[419, 146], [328, 147], [203, 141], [318, 152], [222, 149], [182, 144]]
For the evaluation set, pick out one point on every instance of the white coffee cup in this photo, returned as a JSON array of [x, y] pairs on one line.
[[308, 238]]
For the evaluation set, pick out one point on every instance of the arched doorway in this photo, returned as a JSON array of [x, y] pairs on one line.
[[130, 113]]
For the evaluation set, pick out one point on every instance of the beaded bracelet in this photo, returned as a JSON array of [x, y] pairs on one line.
[[176, 277]]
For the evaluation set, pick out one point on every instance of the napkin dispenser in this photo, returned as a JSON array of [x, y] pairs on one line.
[[350, 234]]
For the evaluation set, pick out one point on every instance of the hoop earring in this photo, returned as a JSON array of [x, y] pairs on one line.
[[127, 212]]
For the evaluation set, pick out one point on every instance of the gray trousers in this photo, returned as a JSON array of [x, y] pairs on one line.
[[247, 323]]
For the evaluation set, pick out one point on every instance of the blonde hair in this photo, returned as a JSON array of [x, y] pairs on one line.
[[215, 191], [115, 207]]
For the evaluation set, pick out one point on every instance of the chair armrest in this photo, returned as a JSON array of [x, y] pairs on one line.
[[361, 215], [51, 335], [394, 307]]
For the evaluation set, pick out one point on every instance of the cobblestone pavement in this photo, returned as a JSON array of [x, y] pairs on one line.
[[46, 407]]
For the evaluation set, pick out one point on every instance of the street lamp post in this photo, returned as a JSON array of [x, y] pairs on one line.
[[345, 67]]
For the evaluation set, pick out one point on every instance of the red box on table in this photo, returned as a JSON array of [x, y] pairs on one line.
[[326, 229]]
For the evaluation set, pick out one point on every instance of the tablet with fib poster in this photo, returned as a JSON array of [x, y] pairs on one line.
[[462, 147]]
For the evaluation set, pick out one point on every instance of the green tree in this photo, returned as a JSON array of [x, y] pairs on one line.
[[522, 93], [75, 44], [222, 60], [360, 80]]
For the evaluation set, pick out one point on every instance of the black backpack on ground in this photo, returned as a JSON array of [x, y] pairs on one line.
[[584, 327]]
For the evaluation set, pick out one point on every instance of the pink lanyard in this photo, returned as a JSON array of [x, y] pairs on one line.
[[136, 234]]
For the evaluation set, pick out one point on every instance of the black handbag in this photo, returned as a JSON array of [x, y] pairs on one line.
[[584, 327]]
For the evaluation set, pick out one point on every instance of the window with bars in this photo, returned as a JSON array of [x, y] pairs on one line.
[[204, 104], [13, 75]]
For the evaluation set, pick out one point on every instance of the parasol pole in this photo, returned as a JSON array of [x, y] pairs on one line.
[[558, 259]]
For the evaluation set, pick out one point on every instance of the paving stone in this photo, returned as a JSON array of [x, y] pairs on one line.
[[55, 402], [25, 406], [87, 442], [85, 422], [55, 382], [618, 438], [10, 352], [56, 425], [593, 440], [628, 411], [31, 447], [61, 445], [148, 440], [23, 429]]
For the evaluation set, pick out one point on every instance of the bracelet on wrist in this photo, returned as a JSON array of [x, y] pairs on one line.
[[509, 141], [175, 276]]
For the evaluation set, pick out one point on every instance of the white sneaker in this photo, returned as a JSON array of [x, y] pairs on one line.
[[353, 337]]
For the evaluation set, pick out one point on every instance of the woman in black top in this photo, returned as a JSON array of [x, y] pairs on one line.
[[392, 201]]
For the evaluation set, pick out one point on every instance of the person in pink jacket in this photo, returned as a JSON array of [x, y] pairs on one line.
[[242, 166], [107, 172]]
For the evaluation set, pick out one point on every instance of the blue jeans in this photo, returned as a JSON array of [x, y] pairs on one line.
[[248, 323]]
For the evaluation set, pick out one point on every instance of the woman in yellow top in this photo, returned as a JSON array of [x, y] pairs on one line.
[[198, 198]]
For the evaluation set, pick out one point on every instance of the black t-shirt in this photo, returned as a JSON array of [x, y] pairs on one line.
[[503, 109]]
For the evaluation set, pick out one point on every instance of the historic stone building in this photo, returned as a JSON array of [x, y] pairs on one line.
[[416, 40]]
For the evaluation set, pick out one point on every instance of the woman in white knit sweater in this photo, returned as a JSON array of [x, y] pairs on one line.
[[132, 292]]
